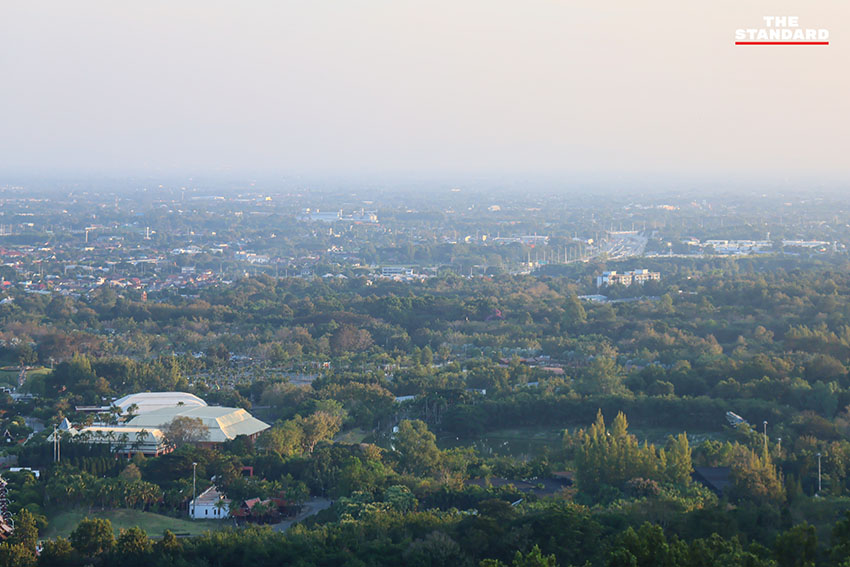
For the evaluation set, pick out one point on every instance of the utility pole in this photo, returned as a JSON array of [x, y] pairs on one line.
[[765, 440], [56, 445], [194, 497], [819, 478]]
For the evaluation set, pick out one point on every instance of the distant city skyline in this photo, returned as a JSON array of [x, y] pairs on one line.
[[381, 89]]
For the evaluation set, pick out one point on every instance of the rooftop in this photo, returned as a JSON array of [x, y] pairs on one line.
[[222, 423], [150, 401], [209, 496]]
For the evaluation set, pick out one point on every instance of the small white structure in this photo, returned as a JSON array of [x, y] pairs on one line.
[[209, 505], [35, 472]]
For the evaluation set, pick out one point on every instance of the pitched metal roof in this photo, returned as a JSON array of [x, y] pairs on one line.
[[150, 401], [715, 478], [222, 423]]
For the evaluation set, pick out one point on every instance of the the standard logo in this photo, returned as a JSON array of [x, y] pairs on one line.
[[782, 30]]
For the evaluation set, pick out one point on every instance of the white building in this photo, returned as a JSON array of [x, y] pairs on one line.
[[145, 402], [209, 505], [120, 438], [394, 271], [222, 423], [626, 278], [315, 215]]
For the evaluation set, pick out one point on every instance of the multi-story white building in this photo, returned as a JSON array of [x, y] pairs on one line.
[[393, 271], [626, 278]]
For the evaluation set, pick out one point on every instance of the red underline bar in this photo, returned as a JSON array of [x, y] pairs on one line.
[[781, 43]]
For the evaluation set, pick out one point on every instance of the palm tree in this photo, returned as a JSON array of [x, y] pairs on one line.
[[114, 414], [151, 493], [220, 505], [119, 442], [103, 491], [141, 436]]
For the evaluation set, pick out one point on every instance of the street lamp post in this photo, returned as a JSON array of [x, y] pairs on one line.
[[194, 484], [765, 438], [819, 477]]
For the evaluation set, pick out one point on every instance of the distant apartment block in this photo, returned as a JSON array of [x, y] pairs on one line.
[[626, 278], [532, 239], [396, 271], [739, 246], [319, 216], [357, 217]]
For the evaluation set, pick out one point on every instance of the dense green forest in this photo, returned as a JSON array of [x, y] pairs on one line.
[[379, 393]]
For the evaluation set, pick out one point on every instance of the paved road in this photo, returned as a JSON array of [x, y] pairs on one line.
[[311, 508], [626, 245]]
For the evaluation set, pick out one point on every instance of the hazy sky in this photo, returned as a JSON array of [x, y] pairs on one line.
[[421, 86]]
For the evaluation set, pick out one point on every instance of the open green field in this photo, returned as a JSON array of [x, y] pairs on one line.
[[9, 374], [520, 442], [530, 442], [9, 378], [64, 523], [351, 437]]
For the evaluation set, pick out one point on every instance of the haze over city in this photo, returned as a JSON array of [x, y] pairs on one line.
[[456, 283], [410, 89]]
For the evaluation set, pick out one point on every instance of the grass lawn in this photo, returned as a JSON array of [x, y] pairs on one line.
[[520, 442], [63, 524], [351, 437], [8, 378], [9, 374]]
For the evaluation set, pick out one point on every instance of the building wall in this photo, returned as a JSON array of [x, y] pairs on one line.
[[626, 278], [208, 511]]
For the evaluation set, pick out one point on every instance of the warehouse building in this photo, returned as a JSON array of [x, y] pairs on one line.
[[222, 423], [150, 415]]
